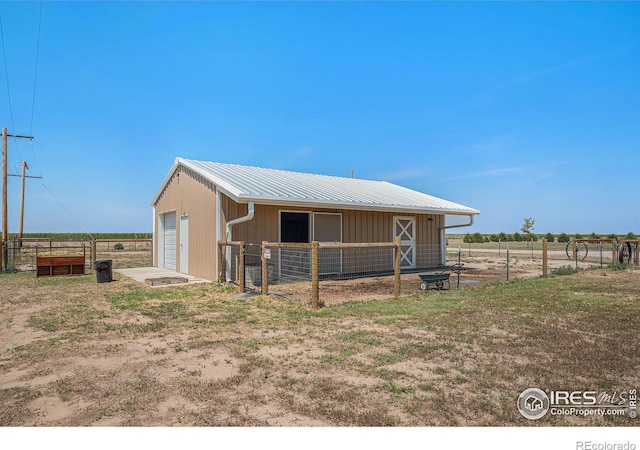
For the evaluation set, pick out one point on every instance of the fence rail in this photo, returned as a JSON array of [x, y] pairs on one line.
[[20, 255], [341, 272], [306, 265]]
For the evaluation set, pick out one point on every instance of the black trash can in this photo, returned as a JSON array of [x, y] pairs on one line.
[[103, 271]]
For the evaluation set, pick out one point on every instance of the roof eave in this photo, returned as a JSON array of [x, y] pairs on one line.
[[354, 206]]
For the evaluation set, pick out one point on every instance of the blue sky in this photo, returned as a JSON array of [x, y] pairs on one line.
[[519, 109]]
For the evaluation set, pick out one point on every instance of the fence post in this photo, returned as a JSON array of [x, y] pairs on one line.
[[600, 245], [531, 248], [265, 270], [94, 252], [614, 251], [241, 266], [315, 272], [1, 255], [544, 258], [507, 260], [220, 260], [396, 269], [574, 246]]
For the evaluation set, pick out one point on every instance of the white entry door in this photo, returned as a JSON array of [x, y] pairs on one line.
[[405, 228], [184, 244]]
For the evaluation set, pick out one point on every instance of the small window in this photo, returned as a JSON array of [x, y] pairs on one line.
[[294, 227]]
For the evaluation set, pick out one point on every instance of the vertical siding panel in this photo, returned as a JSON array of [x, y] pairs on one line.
[[355, 232], [368, 226]]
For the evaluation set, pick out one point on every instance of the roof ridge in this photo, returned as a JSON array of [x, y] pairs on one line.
[[244, 183], [283, 170]]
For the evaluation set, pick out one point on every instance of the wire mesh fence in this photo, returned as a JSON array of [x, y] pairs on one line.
[[508, 260], [308, 271], [338, 272]]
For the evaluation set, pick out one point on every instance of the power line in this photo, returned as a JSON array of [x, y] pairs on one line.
[[65, 208], [35, 75], [6, 72], [35, 79]]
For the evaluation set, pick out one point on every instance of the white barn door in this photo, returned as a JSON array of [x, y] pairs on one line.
[[169, 240], [327, 227], [405, 228]]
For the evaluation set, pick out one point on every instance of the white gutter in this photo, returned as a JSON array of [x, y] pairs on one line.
[[233, 222], [443, 237], [471, 218]]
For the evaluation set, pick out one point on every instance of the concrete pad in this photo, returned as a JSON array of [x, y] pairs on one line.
[[140, 274]]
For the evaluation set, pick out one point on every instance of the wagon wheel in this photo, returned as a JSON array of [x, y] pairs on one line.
[[624, 253], [581, 250], [423, 285]]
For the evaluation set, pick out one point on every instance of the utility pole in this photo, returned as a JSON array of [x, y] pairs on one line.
[[5, 216], [24, 176], [24, 170], [5, 219]]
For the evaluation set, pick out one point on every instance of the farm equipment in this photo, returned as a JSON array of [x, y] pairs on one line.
[[439, 277], [625, 251]]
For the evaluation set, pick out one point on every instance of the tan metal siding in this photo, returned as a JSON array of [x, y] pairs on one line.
[[357, 227], [189, 193]]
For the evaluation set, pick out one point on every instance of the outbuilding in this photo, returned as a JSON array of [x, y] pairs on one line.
[[201, 203]]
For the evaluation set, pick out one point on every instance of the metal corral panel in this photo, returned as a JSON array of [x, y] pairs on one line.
[[280, 187]]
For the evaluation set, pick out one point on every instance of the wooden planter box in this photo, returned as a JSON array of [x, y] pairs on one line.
[[53, 266]]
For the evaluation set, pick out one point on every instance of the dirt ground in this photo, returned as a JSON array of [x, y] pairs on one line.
[[476, 271], [76, 353]]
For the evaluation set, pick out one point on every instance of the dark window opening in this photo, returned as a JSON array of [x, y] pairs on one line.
[[294, 227]]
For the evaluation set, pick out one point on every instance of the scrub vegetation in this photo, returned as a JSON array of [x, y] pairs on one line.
[[74, 352]]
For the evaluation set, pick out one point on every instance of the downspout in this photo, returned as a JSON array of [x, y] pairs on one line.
[[443, 237], [228, 235], [233, 222]]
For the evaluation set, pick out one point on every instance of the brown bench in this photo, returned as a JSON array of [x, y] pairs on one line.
[[53, 266]]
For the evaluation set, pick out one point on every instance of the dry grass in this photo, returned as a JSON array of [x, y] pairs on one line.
[[75, 353]]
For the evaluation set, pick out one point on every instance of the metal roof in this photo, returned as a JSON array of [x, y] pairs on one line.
[[246, 184]]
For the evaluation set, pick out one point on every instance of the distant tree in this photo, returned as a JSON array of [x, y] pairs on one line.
[[527, 228], [564, 237], [502, 237], [517, 237], [475, 238], [594, 236], [631, 236], [612, 236], [494, 238], [578, 236], [549, 237]]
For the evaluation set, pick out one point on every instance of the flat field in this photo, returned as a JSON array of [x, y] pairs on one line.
[[75, 353]]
